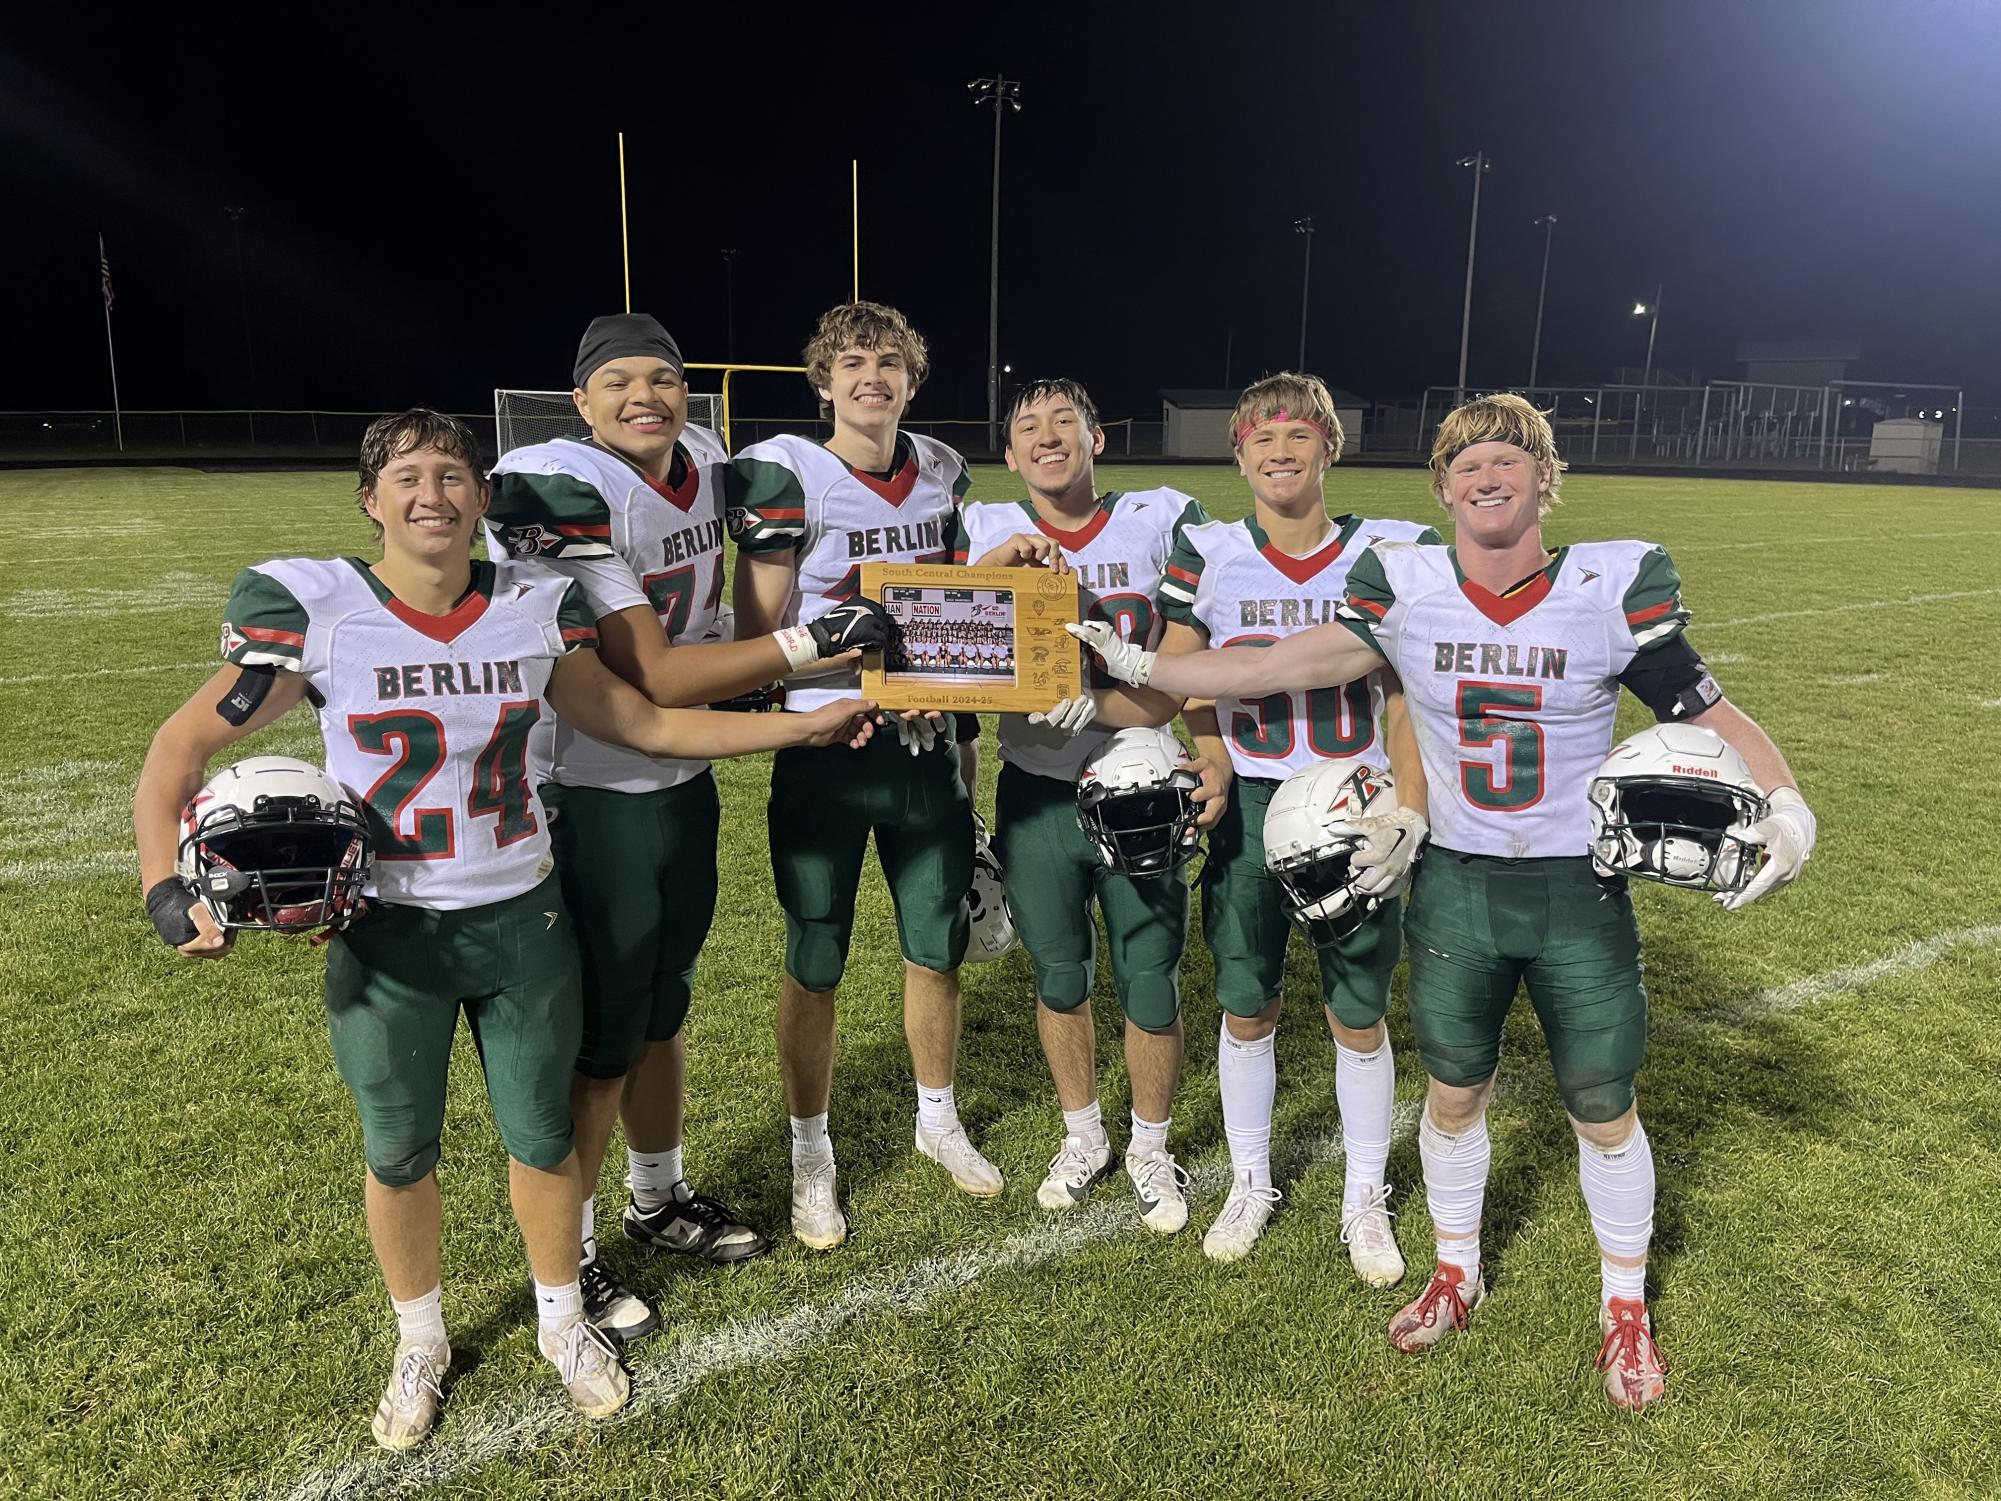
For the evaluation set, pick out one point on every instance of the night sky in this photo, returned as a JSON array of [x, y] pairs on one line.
[[432, 213]]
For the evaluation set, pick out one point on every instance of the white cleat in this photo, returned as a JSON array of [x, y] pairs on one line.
[[408, 1410], [1161, 1185], [954, 1151], [1073, 1171], [1372, 1245], [587, 1361], [1245, 1214], [817, 1220]]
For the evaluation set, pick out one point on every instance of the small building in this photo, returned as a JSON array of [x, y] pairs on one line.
[[1195, 422]]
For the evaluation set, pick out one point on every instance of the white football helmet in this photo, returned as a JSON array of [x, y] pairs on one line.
[[1669, 804], [986, 904], [1311, 836], [1133, 801], [273, 842]]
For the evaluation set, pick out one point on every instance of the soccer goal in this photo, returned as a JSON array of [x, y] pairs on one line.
[[524, 417]]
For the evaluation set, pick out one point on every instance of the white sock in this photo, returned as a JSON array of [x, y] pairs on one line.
[[1455, 1188], [590, 1219], [652, 1175], [556, 1308], [809, 1138], [1087, 1125], [1247, 1073], [421, 1320], [1149, 1136], [1619, 1192], [937, 1109], [1365, 1086]]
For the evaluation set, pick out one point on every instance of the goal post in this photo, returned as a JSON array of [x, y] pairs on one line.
[[524, 417]]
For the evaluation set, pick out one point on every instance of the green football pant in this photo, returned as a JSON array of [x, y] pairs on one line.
[[1480, 926], [639, 877], [396, 982], [825, 803], [1052, 870], [1244, 921]]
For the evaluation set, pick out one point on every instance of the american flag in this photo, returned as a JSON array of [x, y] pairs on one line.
[[104, 273]]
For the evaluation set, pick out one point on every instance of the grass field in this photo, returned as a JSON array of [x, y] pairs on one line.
[[190, 1308]]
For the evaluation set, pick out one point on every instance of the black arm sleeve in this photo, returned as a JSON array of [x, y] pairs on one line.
[[1672, 680]]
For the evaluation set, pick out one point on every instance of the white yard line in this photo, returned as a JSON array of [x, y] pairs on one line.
[[29, 679], [1849, 608], [473, 1440], [1847, 541]]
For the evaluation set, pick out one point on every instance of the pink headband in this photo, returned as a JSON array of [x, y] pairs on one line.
[[1244, 430]]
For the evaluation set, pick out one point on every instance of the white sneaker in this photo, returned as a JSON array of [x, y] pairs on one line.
[[1161, 1184], [816, 1211], [954, 1151], [1072, 1171], [588, 1364], [1245, 1213], [1372, 1245], [408, 1410]]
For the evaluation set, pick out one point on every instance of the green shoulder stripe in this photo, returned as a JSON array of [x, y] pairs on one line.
[[263, 624], [1192, 514], [766, 505], [1652, 604], [1180, 579], [1429, 538], [963, 483], [550, 516], [575, 618], [1369, 596]]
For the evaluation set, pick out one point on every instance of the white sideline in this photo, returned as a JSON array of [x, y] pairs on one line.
[[105, 672], [475, 1440], [1860, 604]]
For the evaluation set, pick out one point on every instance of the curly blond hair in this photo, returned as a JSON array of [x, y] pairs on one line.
[[1501, 418], [1289, 396], [862, 325]]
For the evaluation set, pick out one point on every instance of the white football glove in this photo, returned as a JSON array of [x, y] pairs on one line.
[[1122, 659], [1068, 715], [1389, 847], [917, 735], [1787, 832]]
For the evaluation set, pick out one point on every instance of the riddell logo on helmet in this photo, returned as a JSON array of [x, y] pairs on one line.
[[1695, 771]]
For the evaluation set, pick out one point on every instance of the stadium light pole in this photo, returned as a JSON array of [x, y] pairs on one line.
[[1481, 167], [1304, 227], [1001, 94], [1653, 311], [729, 299], [1548, 223]]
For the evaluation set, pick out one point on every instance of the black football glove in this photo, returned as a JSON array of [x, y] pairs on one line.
[[858, 623], [167, 903]]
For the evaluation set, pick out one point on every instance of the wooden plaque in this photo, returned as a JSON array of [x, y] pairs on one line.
[[976, 640]]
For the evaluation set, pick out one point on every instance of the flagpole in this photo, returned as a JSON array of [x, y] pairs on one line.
[[624, 243], [110, 349]]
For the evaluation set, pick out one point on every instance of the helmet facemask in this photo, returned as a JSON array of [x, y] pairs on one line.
[[288, 865], [1145, 832], [1675, 831]]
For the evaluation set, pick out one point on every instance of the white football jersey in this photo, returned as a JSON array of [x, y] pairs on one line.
[[1120, 557], [626, 540], [1229, 582], [1514, 695], [790, 492], [438, 724]]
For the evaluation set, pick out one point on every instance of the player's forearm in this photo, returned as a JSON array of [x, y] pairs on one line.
[[759, 592], [1765, 761], [683, 676], [1324, 657], [1406, 760], [697, 735], [171, 775]]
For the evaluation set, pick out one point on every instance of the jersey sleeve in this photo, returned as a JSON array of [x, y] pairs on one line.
[[576, 620], [1180, 579], [767, 505], [549, 516], [1192, 514], [264, 625], [1369, 598], [1652, 604], [1429, 538], [959, 542]]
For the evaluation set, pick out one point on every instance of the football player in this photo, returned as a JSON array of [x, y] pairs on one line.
[[635, 517], [1514, 654], [1118, 546], [1255, 582], [805, 517], [436, 679]]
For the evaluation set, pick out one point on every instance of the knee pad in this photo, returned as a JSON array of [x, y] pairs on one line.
[[1239, 992], [1598, 1102], [816, 954], [1062, 987], [398, 1165], [544, 1153], [1152, 1002]]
